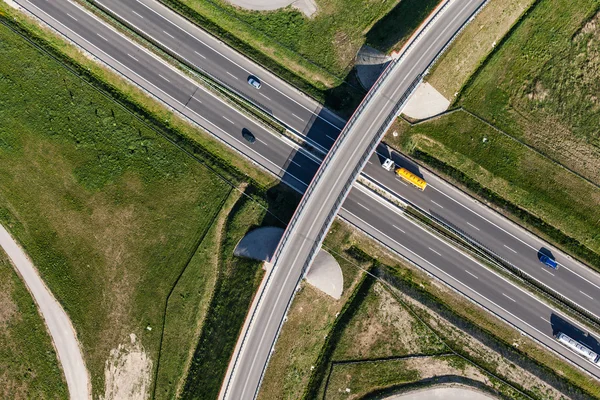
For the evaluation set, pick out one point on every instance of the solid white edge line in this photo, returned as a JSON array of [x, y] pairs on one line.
[[281, 170], [317, 114]]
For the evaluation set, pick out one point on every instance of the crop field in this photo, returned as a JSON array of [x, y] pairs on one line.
[[108, 210], [30, 369], [542, 84], [319, 49]]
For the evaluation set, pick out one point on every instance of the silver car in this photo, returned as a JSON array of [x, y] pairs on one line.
[[253, 81]]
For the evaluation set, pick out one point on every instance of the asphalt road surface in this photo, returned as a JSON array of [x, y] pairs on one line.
[[276, 155], [57, 321], [331, 184], [202, 51]]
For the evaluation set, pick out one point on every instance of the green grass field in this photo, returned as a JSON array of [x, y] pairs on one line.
[[108, 210], [188, 306], [542, 84], [29, 368], [236, 283], [510, 169]]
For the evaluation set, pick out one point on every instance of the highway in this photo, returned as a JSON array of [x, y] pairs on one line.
[[203, 52], [331, 185], [276, 156]]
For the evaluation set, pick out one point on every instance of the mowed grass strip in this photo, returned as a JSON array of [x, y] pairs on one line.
[[542, 84], [237, 281], [474, 43], [187, 308], [511, 170], [28, 364], [108, 210]]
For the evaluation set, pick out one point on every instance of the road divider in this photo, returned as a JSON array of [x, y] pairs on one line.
[[488, 258]]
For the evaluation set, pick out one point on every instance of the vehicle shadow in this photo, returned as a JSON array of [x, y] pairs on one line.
[[545, 252], [560, 324]]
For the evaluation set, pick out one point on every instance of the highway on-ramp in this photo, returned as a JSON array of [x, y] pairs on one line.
[[276, 156], [57, 321], [201, 51]]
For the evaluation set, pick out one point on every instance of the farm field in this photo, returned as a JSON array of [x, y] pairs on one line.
[[108, 210], [30, 368]]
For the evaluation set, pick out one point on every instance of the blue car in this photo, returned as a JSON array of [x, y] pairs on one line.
[[548, 261]]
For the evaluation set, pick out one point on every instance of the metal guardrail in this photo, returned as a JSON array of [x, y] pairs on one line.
[[515, 270], [347, 128]]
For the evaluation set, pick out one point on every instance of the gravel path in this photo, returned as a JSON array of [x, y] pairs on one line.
[[308, 7], [58, 323], [443, 393]]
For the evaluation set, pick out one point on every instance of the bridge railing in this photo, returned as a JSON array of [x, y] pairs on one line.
[[355, 117]]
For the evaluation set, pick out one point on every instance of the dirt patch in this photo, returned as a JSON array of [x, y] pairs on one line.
[[539, 92], [127, 372]]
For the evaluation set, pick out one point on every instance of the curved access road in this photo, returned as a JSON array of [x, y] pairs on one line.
[[443, 393], [57, 321]]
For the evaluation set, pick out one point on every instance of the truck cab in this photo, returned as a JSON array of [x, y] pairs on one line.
[[388, 164]]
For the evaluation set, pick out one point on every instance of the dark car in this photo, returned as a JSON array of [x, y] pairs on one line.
[[549, 262], [253, 81], [248, 136]]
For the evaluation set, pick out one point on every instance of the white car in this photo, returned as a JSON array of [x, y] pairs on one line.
[[388, 164], [253, 81]]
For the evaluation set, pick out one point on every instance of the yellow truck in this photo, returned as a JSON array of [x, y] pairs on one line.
[[411, 178]]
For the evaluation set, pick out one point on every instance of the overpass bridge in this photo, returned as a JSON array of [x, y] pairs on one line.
[[328, 190]]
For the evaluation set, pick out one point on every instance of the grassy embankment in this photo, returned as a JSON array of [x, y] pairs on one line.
[[236, 283], [326, 347], [474, 43], [30, 369], [315, 54], [195, 280], [526, 88], [108, 210]]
